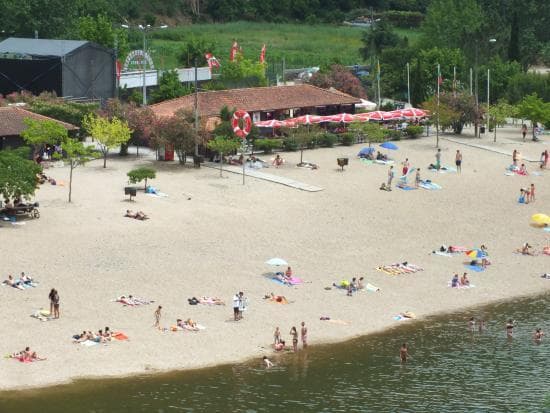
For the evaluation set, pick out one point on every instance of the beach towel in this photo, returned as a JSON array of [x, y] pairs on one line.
[[42, 315], [292, 281], [474, 268], [399, 268], [443, 253], [406, 187], [429, 185], [444, 169], [372, 288], [210, 301], [89, 343], [449, 284], [119, 336], [126, 301], [367, 161], [381, 162]]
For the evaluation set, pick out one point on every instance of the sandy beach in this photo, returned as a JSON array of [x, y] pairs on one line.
[[216, 243]]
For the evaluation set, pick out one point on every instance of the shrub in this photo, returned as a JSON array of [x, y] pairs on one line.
[[290, 144], [312, 143], [347, 138], [267, 145], [326, 140], [413, 132], [393, 134], [140, 174]]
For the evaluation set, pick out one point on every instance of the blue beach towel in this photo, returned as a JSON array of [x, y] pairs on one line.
[[475, 268]]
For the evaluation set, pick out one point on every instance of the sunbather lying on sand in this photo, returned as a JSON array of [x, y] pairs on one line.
[[101, 336], [188, 324], [280, 299], [526, 249], [136, 215], [132, 301], [14, 283], [26, 356]]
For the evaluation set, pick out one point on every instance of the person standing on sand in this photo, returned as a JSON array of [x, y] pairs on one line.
[[406, 166], [157, 317], [391, 174], [304, 335], [515, 157], [458, 161], [277, 336], [242, 304], [524, 131], [55, 305], [438, 159], [294, 334], [51, 296], [404, 353], [236, 307], [417, 178]]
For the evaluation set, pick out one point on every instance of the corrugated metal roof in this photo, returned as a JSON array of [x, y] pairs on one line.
[[40, 47]]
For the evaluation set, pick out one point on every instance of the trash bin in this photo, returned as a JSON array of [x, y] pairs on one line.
[[482, 129], [197, 160]]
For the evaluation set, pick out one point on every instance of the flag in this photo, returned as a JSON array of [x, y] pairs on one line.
[[439, 77], [118, 69], [378, 70], [234, 50], [211, 60], [262, 54]]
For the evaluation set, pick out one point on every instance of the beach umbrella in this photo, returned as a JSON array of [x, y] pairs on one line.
[[477, 253], [307, 119], [393, 115], [367, 150], [269, 124], [541, 219], [342, 118], [376, 115], [362, 117], [413, 113], [389, 145], [277, 262]]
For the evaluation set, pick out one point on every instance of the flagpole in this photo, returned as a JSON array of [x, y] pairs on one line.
[[437, 124], [488, 99], [379, 99], [408, 84], [471, 77]]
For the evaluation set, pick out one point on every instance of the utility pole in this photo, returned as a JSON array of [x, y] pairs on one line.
[[488, 98], [144, 66], [437, 121], [196, 107], [408, 83], [116, 66]]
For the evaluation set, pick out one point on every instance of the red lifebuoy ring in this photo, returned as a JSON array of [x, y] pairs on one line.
[[247, 122]]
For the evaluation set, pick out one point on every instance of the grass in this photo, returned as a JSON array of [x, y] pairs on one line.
[[301, 45]]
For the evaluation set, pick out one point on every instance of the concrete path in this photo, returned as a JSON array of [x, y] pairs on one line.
[[486, 148], [254, 173]]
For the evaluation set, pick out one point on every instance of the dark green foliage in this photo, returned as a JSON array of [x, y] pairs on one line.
[[194, 51], [413, 132], [267, 145], [347, 138], [326, 140], [290, 144], [140, 174], [392, 134], [169, 87], [17, 174]]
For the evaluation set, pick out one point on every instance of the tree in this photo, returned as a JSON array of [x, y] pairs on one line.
[[447, 115], [379, 37], [140, 119], [303, 136], [17, 174], [224, 144], [169, 87], [452, 24], [75, 153], [371, 130], [499, 113], [108, 133], [178, 132], [340, 78], [100, 30], [194, 50], [140, 174], [42, 132], [243, 73], [535, 109]]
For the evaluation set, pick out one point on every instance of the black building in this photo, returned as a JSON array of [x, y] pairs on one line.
[[70, 68]]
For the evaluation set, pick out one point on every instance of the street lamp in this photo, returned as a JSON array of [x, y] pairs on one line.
[[492, 40], [144, 30]]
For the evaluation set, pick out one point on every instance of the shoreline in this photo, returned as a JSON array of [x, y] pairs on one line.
[[156, 374], [217, 244]]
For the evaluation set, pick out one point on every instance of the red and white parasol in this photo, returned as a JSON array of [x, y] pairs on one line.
[[306, 120], [341, 118], [413, 113], [269, 124]]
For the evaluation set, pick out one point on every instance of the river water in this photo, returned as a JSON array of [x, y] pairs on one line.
[[451, 370]]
